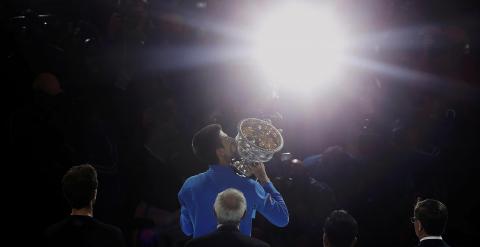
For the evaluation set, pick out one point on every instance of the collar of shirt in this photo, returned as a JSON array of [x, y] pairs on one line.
[[431, 237], [228, 226], [220, 168]]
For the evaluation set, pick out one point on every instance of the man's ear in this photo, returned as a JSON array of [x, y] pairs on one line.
[[94, 199], [220, 152], [420, 226]]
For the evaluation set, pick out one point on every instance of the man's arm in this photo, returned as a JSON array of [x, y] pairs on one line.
[[185, 220], [270, 202]]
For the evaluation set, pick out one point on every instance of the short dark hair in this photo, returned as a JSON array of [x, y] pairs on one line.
[[205, 143], [433, 215], [79, 185], [340, 228]]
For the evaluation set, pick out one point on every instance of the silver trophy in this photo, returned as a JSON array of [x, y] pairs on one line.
[[257, 140]]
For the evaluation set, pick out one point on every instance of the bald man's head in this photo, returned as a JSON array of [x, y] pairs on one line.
[[230, 206]]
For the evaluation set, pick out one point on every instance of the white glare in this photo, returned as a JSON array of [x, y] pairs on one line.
[[299, 43]]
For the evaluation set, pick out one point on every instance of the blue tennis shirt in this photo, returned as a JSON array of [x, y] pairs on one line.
[[199, 192]]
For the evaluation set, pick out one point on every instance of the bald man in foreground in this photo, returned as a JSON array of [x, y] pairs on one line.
[[229, 207]]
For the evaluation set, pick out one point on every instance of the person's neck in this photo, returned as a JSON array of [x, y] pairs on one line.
[[223, 162], [237, 225], [88, 211]]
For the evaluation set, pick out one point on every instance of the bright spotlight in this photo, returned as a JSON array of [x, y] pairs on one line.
[[299, 43]]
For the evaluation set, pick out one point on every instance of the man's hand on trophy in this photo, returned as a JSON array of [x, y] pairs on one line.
[[258, 169]]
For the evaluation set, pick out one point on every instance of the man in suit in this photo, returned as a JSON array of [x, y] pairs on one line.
[[80, 229], [340, 230], [229, 208], [429, 221]]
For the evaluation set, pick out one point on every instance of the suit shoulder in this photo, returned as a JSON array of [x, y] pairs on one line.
[[55, 228], [224, 238], [433, 243], [108, 227], [111, 232], [197, 241], [256, 242], [248, 241]]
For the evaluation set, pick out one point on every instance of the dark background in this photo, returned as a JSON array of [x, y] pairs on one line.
[[140, 78]]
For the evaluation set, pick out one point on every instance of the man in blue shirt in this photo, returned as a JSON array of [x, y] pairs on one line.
[[197, 195]]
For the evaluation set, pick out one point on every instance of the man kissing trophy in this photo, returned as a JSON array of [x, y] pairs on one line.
[[257, 140]]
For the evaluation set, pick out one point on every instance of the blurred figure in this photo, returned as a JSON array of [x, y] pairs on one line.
[[306, 218], [429, 221], [340, 230], [52, 123], [230, 207], [334, 163], [150, 170], [79, 186], [41, 140]]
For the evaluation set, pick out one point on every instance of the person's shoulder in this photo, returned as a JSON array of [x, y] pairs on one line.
[[108, 230], [444, 244], [433, 243], [255, 242], [199, 241], [55, 228], [107, 227], [193, 185], [234, 238], [197, 178], [249, 241], [249, 186]]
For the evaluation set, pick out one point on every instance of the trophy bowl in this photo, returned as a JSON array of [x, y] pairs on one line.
[[257, 140]]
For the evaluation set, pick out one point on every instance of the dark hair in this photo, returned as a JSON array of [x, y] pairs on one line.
[[340, 228], [433, 215], [205, 143], [79, 185]]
